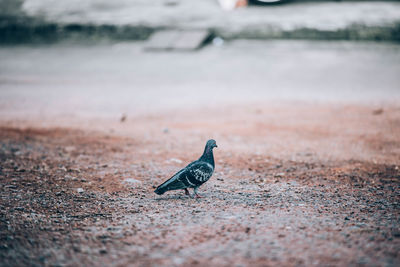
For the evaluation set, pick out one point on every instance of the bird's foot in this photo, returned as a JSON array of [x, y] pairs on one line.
[[198, 196], [188, 193]]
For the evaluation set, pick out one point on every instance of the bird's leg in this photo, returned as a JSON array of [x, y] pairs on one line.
[[196, 195], [187, 192]]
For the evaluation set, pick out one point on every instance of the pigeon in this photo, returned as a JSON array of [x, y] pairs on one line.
[[193, 175]]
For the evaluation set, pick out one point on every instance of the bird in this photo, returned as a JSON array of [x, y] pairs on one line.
[[193, 175]]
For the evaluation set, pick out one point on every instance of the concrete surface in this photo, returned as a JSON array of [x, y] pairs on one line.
[[111, 79]]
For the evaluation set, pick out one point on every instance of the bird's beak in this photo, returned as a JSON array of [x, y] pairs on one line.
[[216, 145]]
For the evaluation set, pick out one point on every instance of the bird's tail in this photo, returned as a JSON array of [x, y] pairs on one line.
[[160, 190]]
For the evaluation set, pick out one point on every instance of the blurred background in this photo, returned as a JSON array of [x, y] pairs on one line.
[[102, 58]]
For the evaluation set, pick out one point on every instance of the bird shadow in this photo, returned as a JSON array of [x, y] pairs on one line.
[[175, 197]]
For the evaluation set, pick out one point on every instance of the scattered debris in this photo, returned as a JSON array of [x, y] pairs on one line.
[[378, 111], [80, 190], [132, 181], [174, 160], [218, 41]]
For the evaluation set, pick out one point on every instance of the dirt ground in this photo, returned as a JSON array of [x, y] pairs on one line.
[[294, 185]]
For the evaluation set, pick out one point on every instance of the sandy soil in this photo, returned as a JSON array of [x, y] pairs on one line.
[[296, 184]]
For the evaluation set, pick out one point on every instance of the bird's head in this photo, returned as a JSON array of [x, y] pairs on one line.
[[211, 144]]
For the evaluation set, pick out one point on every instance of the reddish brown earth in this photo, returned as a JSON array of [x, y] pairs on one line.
[[298, 184]]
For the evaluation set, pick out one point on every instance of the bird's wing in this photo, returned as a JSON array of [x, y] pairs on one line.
[[197, 173]]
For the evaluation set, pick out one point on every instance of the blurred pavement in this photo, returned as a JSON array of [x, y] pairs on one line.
[[360, 20], [111, 79]]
